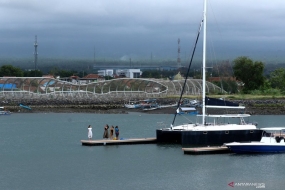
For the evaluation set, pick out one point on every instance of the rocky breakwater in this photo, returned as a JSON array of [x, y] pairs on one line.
[[66, 106], [264, 107]]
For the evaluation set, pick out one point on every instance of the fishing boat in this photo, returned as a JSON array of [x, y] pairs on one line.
[[168, 105], [149, 104], [210, 130], [190, 103], [133, 105], [25, 107], [3, 111], [272, 141]]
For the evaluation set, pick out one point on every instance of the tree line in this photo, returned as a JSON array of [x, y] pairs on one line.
[[9, 70]]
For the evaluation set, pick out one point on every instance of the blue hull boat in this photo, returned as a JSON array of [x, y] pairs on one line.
[[187, 110], [243, 148], [271, 142], [26, 107]]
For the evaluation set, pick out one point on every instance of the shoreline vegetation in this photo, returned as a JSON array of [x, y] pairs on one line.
[[255, 106]]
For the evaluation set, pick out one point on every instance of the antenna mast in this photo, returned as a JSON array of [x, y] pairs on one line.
[[178, 57], [36, 53], [94, 55]]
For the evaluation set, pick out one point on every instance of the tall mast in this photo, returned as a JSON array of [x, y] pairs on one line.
[[204, 62]]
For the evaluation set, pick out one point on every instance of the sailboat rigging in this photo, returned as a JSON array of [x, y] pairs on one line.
[[209, 133], [186, 77]]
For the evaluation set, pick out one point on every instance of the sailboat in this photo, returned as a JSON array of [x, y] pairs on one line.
[[212, 130]]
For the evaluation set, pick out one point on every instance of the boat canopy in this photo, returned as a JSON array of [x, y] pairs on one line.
[[227, 107], [228, 115], [273, 129], [187, 109], [219, 102]]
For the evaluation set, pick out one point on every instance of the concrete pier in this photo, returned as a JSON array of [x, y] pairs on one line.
[[103, 142]]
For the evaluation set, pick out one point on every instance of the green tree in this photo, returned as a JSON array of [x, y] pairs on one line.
[[9, 70], [108, 77], [228, 85], [62, 73], [249, 72], [277, 79], [158, 74]]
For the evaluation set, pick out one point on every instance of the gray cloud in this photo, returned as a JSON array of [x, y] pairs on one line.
[[72, 28]]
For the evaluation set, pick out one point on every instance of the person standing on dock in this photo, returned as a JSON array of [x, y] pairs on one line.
[[111, 132], [106, 132], [90, 134], [117, 132]]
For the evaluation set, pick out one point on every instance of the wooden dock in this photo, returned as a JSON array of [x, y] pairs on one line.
[[103, 142], [207, 150]]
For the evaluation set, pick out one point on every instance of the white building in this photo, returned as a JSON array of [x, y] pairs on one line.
[[107, 72], [129, 73]]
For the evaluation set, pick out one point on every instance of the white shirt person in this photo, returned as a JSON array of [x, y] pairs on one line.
[[90, 134]]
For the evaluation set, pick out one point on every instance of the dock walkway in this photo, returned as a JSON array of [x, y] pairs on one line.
[[103, 142]]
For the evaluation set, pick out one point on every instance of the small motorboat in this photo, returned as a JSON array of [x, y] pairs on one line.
[[24, 106], [187, 110], [149, 104], [272, 141], [133, 105], [3, 111]]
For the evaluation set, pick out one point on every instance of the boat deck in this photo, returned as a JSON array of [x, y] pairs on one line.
[[103, 142], [206, 150]]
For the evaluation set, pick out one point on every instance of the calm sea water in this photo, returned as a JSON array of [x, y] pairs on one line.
[[43, 151]]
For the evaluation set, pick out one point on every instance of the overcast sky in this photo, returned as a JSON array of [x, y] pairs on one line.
[[121, 29]]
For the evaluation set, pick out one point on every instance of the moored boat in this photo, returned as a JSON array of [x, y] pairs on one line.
[[133, 104], [168, 105], [272, 141], [3, 111], [25, 106], [210, 130], [187, 110], [190, 103], [149, 104], [214, 133]]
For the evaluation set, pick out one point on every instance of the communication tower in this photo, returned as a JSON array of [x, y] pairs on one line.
[[94, 61], [36, 53], [94, 55], [178, 56]]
